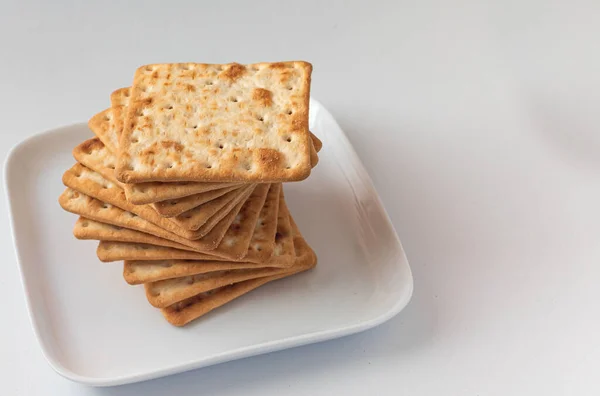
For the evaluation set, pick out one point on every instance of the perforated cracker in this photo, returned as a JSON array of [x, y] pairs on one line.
[[175, 207], [145, 232], [198, 122], [93, 184], [153, 192], [116, 251], [95, 155], [163, 293], [109, 251], [125, 251], [183, 312], [143, 193], [252, 226], [73, 201], [120, 97], [283, 248], [144, 271], [93, 230], [195, 218], [101, 125], [215, 235]]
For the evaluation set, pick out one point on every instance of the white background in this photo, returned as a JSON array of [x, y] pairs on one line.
[[479, 122]]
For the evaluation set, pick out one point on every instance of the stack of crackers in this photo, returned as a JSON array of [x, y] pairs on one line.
[[183, 181]]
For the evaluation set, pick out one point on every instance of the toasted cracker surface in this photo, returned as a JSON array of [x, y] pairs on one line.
[[136, 272], [185, 311], [198, 122]]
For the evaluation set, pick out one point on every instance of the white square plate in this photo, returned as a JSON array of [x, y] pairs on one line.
[[95, 329]]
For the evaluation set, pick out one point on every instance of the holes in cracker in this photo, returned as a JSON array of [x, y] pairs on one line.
[[111, 166], [85, 224], [233, 99], [208, 166], [188, 216], [288, 139], [169, 166], [260, 118], [173, 202], [169, 107], [258, 248], [289, 112], [290, 88], [209, 83], [105, 187], [221, 146], [105, 206], [135, 140], [149, 68]]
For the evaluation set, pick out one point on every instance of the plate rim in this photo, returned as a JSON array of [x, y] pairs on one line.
[[239, 353]]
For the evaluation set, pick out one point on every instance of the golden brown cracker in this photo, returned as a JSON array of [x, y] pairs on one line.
[[197, 122]]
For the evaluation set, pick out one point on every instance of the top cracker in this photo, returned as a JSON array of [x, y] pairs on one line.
[[221, 123]]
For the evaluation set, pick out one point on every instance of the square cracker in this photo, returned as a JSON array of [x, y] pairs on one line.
[[183, 312], [143, 193], [261, 249], [128, 227], [109, 251], [88, 182], [283, 247], [163, 293], [197, 217], [94, 154], [136, 272], [254, 226], [225, 123], [88, 229], [101, 125], [176, 207], [117, 246], [120, 97]]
